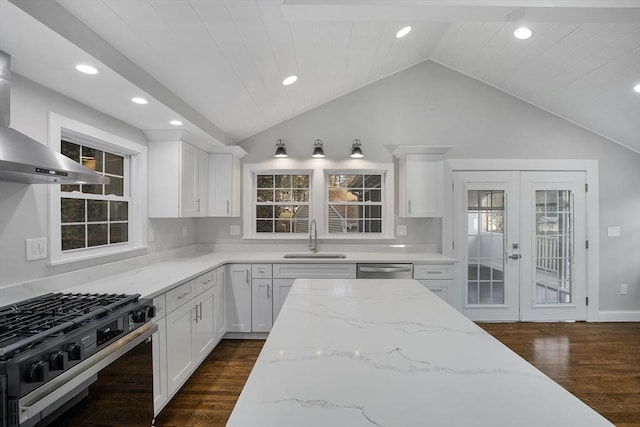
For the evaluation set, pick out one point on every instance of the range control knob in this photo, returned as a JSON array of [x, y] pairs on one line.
[[139, 316], [36, 372], [57, 361], [75, 351], [151, 311]]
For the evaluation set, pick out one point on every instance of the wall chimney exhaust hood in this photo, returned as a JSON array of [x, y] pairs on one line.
[[25, 160]]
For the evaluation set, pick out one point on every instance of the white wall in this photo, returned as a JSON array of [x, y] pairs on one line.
[[24, 208], [429, 104]]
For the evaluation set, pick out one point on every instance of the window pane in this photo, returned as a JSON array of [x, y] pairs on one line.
[[372, 181], [283, 181], [92, 188], [337, 194], [72, 237], [72, 210], [92, 159], [300, 226], [264, 226], [301, 211], [114, 164], [354, 195], [282, 195], [300, 195], [336, 180], [115, 186], [70, 150], [497, 199], [300, 181], [119, 211], [283, 212], [97, 234], [373, 211], [265, 196], [374, 226], [68, 188], [472, 198], [118, 233], [265, 181], [264, 211], [96, 210], [373, 196]]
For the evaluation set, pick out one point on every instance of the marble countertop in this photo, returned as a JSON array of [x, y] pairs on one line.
[[390, 353], [158, 277]]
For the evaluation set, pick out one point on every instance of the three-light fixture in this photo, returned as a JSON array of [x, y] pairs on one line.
[[318, 149]]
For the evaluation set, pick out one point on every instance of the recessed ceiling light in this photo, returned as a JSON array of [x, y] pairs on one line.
[[175, 123], [140, 101], [87, 69], [522, 33], [637, 88], [290, 80], [403, 32]]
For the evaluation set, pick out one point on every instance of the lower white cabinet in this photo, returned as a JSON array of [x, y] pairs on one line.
[[180, 348], [238, 298], [220, 309], [205, 326], [261, 305], [435, 277], [159, 345], [281, 288]]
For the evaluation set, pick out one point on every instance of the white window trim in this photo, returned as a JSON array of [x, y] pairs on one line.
[[318, 170], [60, 126]]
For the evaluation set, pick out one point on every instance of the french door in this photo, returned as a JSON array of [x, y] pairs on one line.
[[520, 240]]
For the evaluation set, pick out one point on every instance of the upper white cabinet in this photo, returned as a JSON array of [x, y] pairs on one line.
[[421, 181], [178, 177], [224, 182]]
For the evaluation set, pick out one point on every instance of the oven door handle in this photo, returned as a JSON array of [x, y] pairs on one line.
[[41, 398]]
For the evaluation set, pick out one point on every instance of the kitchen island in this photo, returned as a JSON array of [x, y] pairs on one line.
[[391, 353]]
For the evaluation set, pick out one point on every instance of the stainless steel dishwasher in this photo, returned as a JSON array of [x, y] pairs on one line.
[[385, 271]]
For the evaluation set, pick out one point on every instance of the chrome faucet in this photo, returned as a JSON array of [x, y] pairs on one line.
[[313, 238]]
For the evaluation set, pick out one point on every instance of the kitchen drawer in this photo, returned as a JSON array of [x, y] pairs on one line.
[[314, 271], [160, 303], [205, 281], [180, 295], [261, 271], [433, 271], [439, 287]]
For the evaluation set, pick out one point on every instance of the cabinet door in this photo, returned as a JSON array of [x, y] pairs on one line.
[[238, 298], [203, 183], [261, 305], [159, 349], [220, 184], [423, 181], [189, 180], [205, 328], [281, 288], [220, 310], [180, 358]]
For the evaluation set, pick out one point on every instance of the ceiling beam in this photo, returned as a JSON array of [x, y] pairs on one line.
[[529, 11], [60, 20]]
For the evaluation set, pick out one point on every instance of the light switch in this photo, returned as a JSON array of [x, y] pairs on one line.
[[36, 248], [613, 231]]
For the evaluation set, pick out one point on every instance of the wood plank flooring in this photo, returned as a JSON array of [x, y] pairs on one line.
[[597, 362]]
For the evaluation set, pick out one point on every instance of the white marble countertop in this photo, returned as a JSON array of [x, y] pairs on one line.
[[158, 277], [390, 353]]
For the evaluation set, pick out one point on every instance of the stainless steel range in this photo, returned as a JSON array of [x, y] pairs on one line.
[[53, 346]]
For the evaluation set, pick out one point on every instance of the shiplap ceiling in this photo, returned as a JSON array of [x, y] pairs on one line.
[[219, 64]]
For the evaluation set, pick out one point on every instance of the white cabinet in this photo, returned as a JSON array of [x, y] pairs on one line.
[[224, 183], [261, 305], [420, 181], [180, 353], [281, 288], [220, 309], [205, 328], [238, 298], [438, 278], [159, 346], [178, 177], [314, 271]]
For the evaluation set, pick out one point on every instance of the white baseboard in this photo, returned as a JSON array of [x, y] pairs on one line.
[[617, 316], [246, 335]]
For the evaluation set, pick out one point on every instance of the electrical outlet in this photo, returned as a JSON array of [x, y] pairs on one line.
[[36, 248], [401, 230], [623, 289], [234, 230]]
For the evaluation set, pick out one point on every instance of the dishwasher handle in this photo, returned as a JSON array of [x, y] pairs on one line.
[[384, 269]]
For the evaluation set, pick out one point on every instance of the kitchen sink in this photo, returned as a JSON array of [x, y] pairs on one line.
[[314, 256]]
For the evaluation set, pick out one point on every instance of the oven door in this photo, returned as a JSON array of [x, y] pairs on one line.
[[112, 387]]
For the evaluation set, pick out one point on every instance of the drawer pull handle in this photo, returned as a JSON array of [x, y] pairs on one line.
[[184, 294], [434, 272]]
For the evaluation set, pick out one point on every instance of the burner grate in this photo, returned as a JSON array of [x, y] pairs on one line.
[[26, 324]]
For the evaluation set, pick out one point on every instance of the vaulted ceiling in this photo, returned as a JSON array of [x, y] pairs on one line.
[[219, 64]]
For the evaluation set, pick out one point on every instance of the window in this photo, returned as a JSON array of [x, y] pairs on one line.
[[354, 203], [282, 202], [95, 214], [487, 209], [91, 221]]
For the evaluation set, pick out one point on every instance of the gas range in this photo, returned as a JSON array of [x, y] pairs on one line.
[[44, 337]]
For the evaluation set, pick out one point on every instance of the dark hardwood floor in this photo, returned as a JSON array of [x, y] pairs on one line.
[[597, 362]]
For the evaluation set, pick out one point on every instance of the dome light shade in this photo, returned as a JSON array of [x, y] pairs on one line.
[[403, 32], [318, 151], [281, 149], [522, 33], [356, 150]]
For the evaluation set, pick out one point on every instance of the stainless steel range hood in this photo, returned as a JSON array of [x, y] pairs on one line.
[[25, 160]]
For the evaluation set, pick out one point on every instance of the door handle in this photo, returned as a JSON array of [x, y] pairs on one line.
[[515, 256]]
